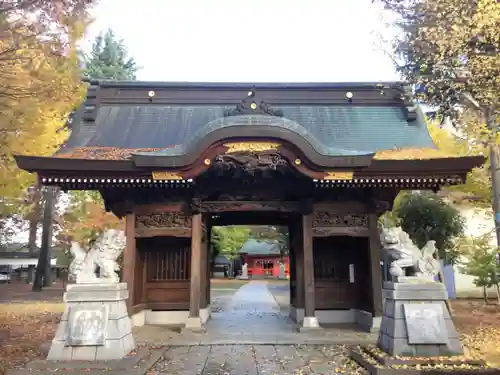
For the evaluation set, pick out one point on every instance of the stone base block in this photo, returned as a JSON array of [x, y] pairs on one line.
[[416, 322], [170, 318], [111, 350], [194, 325], [95, 324], [363, 319], [310, 323], [367, 322], [429, 291]]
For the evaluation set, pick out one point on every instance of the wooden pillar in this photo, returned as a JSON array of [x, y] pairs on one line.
[[291, 255], [203, 272], [196, 253], [194, 320], [310, 321], [309, 303], [129, 259], [299, 267], [376, 276], [209, 262]]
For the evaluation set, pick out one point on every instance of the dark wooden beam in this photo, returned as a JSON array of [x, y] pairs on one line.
[[209, 262], [239, 206], [250, 218], [375, 272], [166, 231], [298, 249], [340, 231], [129, 258], [307, 240], [203, 270], [233, 93]]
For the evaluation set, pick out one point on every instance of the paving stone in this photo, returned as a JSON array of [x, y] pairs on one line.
[[267, 360], [257, 360], [251, 316], [243, 360], [218, 361], [185, 360]]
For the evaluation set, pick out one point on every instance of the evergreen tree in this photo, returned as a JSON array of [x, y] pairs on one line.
[[109, 59], [480, 260], [86, 219], [425, 216]]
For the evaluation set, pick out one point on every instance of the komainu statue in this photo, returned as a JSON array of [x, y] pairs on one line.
[[406, 258], [103, 254]]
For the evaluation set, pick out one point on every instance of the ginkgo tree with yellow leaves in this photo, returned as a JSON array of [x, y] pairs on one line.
[[40, 84], [478, 183], [36, 124]]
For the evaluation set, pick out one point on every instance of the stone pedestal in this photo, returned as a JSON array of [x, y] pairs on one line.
[[194, 325], [244, 272], [282, 271], [416, 321], [310, 324], [95, 324]]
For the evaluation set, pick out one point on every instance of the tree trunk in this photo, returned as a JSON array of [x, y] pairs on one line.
[[42, 275], [47, 232], [485, 295], [497, 289], [34, 218]]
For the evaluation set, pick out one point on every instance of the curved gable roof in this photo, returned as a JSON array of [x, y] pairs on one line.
[[331, 130]]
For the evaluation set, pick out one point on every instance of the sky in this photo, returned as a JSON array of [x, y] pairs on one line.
[[249, 41]]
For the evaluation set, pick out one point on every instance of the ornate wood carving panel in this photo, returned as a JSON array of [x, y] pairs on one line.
[[175, 224], [340, 219], [325, 218], [164, 219]]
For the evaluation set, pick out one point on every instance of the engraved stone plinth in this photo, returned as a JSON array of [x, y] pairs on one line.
[[416, 321], [95, 324], [425, 323], [87, 326]]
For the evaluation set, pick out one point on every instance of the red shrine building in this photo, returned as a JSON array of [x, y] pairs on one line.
[[324, 159], [264, 259]]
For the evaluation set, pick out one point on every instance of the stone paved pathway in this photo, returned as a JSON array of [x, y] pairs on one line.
[[250, 316], [248, 334], [251, 311], [257, 360]]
